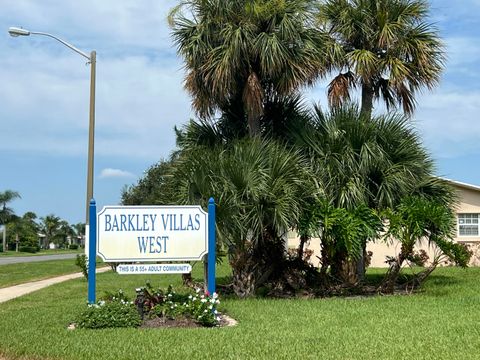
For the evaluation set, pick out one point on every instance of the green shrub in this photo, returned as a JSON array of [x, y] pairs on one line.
[[81, 262], [29, 249], [73, 246], [109, 314]]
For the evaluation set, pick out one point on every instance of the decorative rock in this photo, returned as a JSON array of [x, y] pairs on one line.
[[229, 321]]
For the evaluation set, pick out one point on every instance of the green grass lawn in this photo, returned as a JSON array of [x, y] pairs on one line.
[[441, 322], [11, 253], [13, 274]]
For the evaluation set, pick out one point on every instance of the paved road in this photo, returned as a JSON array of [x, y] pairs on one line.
[[23, 259]]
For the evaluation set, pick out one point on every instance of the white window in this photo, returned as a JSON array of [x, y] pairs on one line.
[[468, 224]]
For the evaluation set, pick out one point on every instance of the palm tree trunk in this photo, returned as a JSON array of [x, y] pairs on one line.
[[253, 125], [367, 100], [253, 103], [366, 111], [243, 273], [303, 240]]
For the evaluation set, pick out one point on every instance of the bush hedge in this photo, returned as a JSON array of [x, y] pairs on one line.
[[29, 249]]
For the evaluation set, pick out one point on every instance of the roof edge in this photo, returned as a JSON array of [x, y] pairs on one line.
[[461, 184]]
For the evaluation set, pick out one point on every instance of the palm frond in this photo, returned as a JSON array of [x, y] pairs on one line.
[[339, 88]]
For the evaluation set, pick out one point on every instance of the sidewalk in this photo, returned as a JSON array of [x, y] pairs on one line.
[[12, 292]]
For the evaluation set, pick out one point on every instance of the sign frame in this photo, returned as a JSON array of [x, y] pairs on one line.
[[209, 258], [150, 259]]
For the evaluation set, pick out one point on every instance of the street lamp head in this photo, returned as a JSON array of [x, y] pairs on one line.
[[16, 31]]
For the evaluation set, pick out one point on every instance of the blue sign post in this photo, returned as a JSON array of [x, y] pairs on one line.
[[146, 236], [92, 252], [211, 259]]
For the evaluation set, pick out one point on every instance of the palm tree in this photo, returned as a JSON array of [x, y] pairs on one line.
[[241, 52], [385, 47], [374, 162], [25, 229], [49, 226], [6, 197], [65, 233], [5, 212], [259, 187], [79, 230]]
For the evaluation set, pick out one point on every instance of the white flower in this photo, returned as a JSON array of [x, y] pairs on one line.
[[198, 290], [215, 312], [203, 300], [205, 310], [210, 307], [169, 295], [190, 296], [215, 295]]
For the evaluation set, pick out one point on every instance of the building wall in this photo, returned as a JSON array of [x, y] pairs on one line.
[[469, 203]]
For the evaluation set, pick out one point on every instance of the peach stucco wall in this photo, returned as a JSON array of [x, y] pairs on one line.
[[469, 202]]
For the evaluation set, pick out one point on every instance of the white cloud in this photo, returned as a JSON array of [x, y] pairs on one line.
[[105, 24], [115, 173], [44, 100], [44, 92], [463, 51], [448, 121]]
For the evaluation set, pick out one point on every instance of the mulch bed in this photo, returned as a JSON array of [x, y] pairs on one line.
[[159, 322]]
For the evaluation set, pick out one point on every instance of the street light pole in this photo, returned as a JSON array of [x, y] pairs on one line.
[[91, 138], [92, 59]]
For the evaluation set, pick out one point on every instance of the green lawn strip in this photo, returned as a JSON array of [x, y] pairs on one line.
[[439, 323], [14, 274], [12, 253]]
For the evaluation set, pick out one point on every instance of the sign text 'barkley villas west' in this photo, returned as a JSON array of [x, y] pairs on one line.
[[152, 233]]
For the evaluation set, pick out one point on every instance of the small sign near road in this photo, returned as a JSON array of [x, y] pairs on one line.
[[127, 269]]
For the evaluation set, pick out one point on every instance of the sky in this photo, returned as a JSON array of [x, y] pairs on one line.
[[44, 99]]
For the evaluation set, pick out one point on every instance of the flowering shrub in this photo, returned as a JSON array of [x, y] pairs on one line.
[[201, 308], [112, 312], [116, 310]]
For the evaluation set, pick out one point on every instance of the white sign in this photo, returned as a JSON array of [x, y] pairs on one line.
[[154, 269], [152, 233]]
